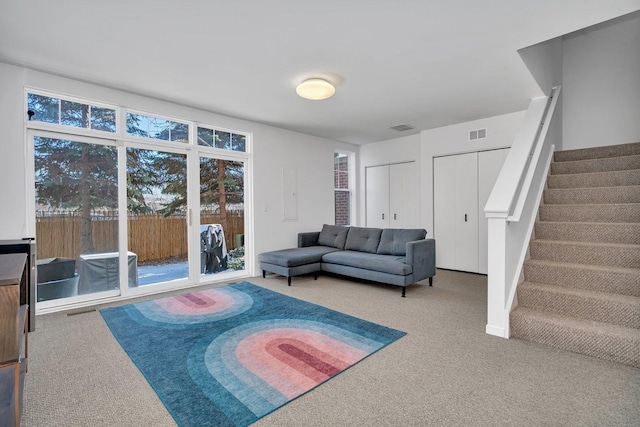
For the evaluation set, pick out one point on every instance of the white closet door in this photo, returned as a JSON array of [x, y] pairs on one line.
[[489, 165], [466, 211], [403, 196], [444, 211], [377, 196]]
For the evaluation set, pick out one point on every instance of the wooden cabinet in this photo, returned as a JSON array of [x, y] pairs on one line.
[[461, 186], [13, 337], [392, 199]]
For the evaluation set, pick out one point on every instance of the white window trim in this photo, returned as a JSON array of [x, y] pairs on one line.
[[351, 162], [123, 140]]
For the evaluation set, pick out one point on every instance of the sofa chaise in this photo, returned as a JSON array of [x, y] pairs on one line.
[[394, 256]]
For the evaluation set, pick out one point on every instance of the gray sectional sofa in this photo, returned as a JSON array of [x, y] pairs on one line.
[[394, 256]]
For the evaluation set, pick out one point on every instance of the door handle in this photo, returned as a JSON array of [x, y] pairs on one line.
[[465, 217]]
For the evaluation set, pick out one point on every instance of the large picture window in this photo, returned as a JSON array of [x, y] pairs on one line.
[[118, 213]]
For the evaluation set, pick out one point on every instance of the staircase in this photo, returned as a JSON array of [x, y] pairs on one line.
[[582, 283]]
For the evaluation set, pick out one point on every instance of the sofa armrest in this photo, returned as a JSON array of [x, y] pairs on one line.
[[421, 255], [308, 239]]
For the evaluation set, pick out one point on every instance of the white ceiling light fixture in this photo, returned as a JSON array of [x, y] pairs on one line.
[[316, 89]]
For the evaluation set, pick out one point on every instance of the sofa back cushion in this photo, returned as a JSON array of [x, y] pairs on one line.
[[394, 240], [333, 236], [363, 239]]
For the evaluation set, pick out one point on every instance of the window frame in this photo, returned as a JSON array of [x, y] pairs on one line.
[[350, 185], [123, 141]]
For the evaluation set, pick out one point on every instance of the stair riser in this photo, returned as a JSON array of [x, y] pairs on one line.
[[598, 152], [612, 348], [589, 232], [621, 213], [596, 165], [620, 313], [624, 283], [598, 195], [627, 257], [602, 179]]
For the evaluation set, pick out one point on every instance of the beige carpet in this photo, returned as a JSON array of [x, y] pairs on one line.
[[445, 372], [581, 289]]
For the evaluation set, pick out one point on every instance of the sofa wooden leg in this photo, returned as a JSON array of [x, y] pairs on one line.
[[404, 288], [431, 281], [289, 280], [315, 276], [264, 274]]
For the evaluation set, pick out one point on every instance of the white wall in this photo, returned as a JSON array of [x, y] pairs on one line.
[[454, 139], [273, 149], [544, 61], [397, 150], [601, 84]]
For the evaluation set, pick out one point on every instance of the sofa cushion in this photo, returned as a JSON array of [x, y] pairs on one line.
[[363, 239], [394, 241], [384, 263], [295, 256], [333, 236]]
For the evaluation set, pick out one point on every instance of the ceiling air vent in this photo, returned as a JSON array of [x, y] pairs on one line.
[[402, 127], [477, 134]]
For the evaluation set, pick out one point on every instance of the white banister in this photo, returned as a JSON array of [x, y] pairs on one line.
[[512, 207]]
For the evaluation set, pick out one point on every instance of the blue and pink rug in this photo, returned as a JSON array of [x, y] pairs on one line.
[[228, 356]]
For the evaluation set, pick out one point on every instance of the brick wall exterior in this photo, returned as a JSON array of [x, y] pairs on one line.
[[342, 207]]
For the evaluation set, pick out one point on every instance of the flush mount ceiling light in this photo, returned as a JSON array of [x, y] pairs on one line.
[[315, 89]]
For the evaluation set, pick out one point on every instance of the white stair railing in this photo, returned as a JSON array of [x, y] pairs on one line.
[[512, 208]]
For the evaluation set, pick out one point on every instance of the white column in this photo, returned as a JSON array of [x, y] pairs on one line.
[[497, 314]]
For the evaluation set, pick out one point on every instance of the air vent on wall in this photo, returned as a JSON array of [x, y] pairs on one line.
[[402, 127], [477, 134]]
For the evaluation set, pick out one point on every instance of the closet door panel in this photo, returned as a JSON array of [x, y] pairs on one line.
[[489, 165], [377, 196], [466, 211], [403, 196], [444, 211]]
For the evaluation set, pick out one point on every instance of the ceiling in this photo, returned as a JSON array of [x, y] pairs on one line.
[[427, 63]]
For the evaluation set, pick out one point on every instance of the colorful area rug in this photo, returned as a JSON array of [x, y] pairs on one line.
[[228, 356]]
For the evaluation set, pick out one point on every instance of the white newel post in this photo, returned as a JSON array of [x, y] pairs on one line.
[[497, 313]]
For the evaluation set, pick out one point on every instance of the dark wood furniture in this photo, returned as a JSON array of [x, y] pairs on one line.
[[28, 292], [13, 337]]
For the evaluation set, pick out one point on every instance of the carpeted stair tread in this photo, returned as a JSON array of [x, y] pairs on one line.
[[613, 254], [622, 310], [602, 152], [620, 280], [596, 179], [593, 195], [612, 212], [581, 289], [602, 232], [596, 165], [605, 341]]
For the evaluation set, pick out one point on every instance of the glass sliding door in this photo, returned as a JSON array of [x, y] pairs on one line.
[[222, 192], [157, 215], [126, 203], [76, 207]]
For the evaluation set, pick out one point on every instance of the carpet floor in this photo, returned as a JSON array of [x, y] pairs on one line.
[[445, 372]]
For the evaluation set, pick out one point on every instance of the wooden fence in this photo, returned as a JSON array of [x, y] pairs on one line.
[[152, 237]]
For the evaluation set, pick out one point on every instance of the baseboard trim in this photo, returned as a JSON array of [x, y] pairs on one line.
[[496, 331]]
